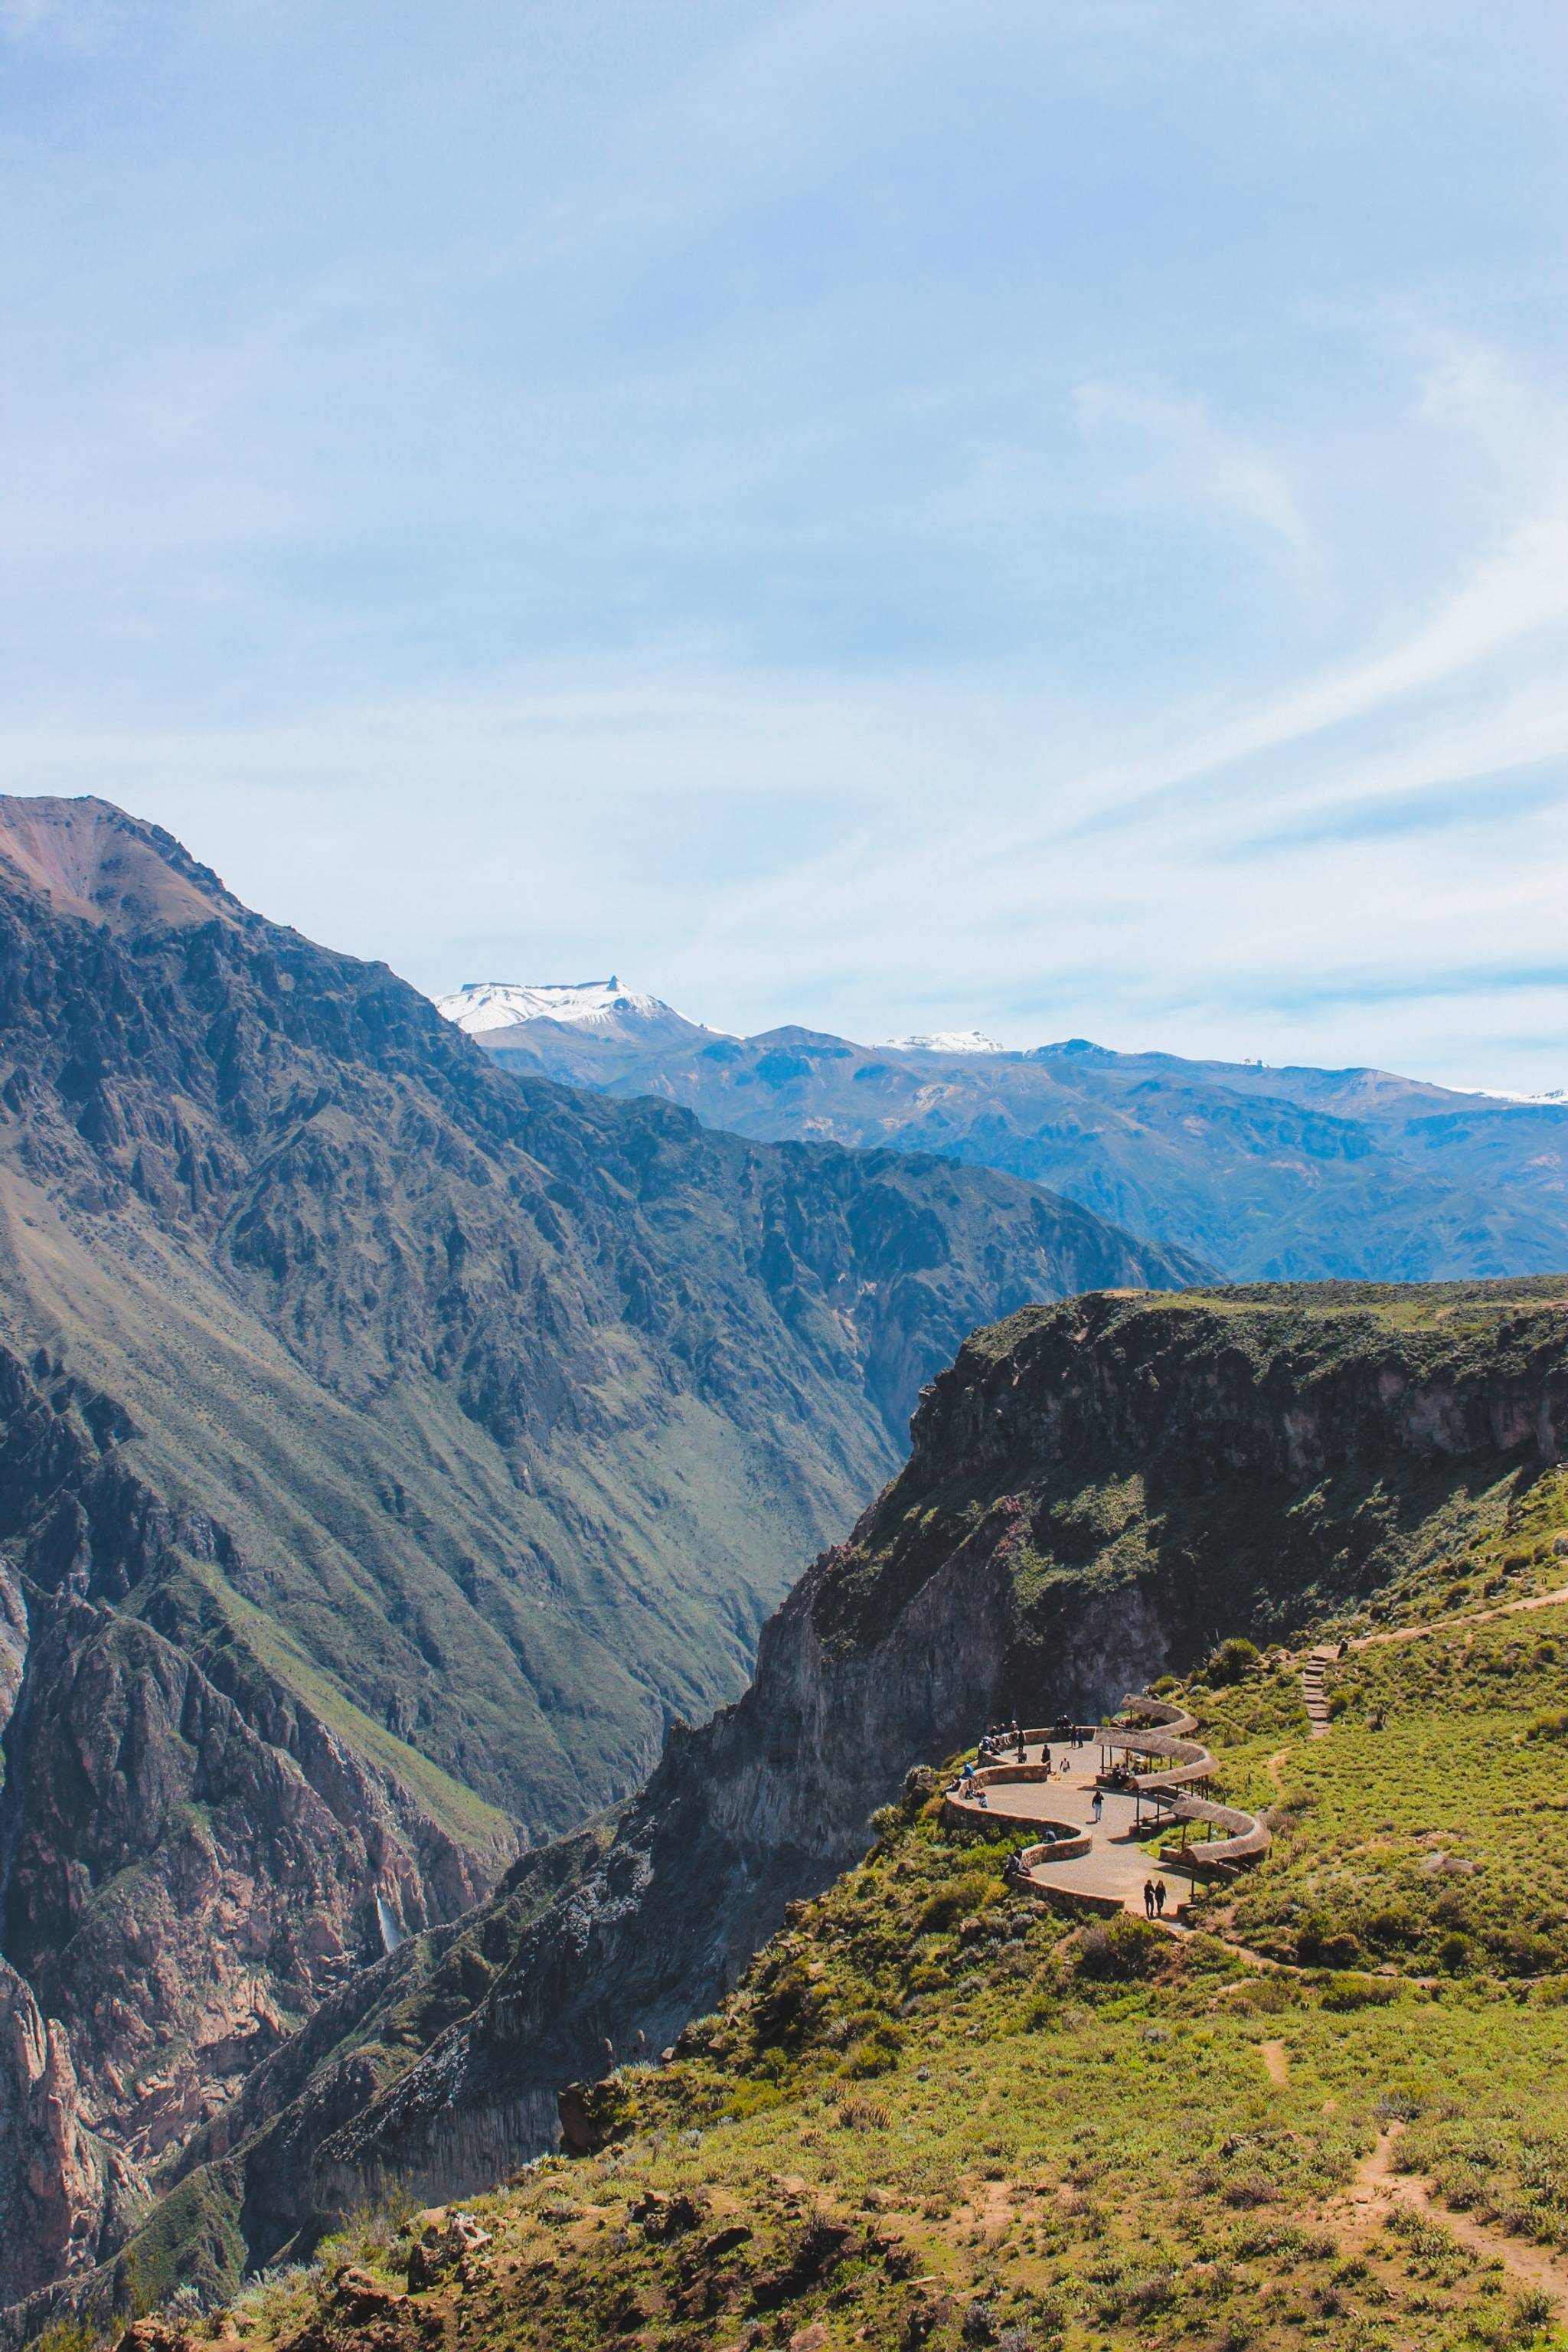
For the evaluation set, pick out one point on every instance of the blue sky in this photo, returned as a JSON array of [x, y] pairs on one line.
[[1045, 516]]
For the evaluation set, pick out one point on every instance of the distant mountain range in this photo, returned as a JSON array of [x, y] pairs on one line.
[[1268, 1174]]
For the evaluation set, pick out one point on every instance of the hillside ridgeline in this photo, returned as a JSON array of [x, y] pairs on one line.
[[932, 2114], [1098, 1491], [1285, 1174]]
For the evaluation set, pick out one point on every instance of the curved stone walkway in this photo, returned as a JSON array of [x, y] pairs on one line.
[[1103, 1862]]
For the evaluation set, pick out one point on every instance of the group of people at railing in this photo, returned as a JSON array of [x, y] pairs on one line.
[[1164, 1768], [1007, 1742]]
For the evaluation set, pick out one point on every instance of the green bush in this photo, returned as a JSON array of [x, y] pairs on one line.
[[948, 1905], [1232, 1662], [65, 2336], [1533, 2308], [1121, 1949], [1324, 1943], [788, 2011], [877, 2053], [1346, 1990]]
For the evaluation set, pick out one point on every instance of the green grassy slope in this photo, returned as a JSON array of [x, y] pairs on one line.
[[934, 2113]]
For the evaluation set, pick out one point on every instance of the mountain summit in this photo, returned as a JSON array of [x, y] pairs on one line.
[[480, 1006], [582, 1027]]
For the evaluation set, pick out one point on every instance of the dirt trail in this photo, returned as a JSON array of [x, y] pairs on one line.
[[1277, 2058], [1377, 2188], [1466, 1617], [1316, 1663]]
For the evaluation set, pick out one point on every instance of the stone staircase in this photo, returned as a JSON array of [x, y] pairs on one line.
[[1312, 1673]]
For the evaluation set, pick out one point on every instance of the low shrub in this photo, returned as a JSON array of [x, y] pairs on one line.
[[948, 1905], [875, 2052], [1347, 1991], [1232, 1662], [1534, 2307], [1325, 1943], [1121, 1949]]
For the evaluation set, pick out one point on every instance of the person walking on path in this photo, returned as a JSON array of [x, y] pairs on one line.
[[1160, 1896], [1148, 1898], [1097, 1806], [1046, 1760]]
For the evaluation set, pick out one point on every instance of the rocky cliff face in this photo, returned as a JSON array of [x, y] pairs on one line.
[[1257, 1447], [66, 2196], [388, 1452], [1096, 1492], [185, 1868]]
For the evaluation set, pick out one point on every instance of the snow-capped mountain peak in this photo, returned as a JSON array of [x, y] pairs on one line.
[[946, 1040], [486, 1004]]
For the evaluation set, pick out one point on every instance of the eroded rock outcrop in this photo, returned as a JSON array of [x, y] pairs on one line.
[[63, 2194], [185, 1870]]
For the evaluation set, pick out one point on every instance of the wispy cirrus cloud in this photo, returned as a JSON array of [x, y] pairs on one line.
[[1171, 458], [1057, 519]]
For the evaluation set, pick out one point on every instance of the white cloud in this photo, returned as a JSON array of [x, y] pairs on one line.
[[1170, 455], [894, 517]]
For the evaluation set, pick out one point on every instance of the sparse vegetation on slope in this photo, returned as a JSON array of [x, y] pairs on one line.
[[934, 2114]]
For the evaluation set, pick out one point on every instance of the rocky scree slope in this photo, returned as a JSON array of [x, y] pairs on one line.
[[390, 1451], [1096, 1490], [1273, 1174], [189, 1858]]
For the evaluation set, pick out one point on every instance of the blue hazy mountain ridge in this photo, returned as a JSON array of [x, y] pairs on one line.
[[1292, 1174]]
